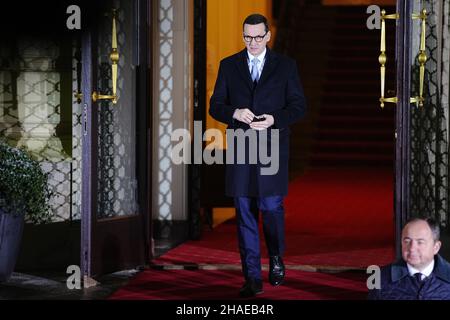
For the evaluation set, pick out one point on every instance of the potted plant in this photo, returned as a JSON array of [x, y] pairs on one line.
[[24, 195]]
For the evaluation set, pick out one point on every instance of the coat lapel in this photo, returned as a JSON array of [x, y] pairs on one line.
[[269, 66], [242, 66]]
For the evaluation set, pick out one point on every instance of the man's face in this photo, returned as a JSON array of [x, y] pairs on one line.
[[256, 48], [418, 245]]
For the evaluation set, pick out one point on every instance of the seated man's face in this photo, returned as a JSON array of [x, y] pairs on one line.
[[418, 245]]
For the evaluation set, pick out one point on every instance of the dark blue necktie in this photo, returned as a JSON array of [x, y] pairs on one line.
[[255, 72], [418, 277]]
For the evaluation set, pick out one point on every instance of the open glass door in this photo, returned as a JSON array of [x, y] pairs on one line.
[[39, 114], [114, 236], [422, 54], [96, 153]]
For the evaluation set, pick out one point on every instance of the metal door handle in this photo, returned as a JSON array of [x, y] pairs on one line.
[[422, 56], [382, 58], [114, 56]]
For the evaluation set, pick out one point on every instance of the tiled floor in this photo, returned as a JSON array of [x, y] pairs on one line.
[[53, 287]]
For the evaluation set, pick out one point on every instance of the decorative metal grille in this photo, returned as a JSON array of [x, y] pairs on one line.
[[117, 184], [165, 112], [32, 103], [429, 131]]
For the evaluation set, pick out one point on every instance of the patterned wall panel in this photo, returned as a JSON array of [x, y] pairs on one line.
[[165, 109], [445, 60], [429, 125]]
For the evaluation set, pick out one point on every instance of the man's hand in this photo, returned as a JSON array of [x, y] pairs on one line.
[[262, 125], [243, 115]]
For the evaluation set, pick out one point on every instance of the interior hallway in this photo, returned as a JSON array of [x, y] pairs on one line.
[[339, 211]]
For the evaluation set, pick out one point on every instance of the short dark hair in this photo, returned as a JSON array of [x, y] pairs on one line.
[[256, 18], [434, 226]]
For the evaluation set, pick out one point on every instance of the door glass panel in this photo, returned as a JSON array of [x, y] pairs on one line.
[[429, 123], [117, 184], [429, 131], [38, 112]]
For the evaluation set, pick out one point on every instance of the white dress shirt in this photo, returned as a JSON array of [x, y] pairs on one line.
[[425, 272], [261, 58]]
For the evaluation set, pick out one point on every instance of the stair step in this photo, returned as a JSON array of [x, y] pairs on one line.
[[350, 120], [359, 50], [379, 121], [350, 160], [359, 62], [349, 134], [363, 33], [371, 96], [371, 68], [339, 55], [369, 110], [346, 73], [352, 85], [368, 57], [355, 144], [359, 27], [375, 148], [342, 83], [353, 158], [344, 98], [349, 41]]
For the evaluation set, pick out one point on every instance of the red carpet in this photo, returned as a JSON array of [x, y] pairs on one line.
[[334, 218], [224, 284]]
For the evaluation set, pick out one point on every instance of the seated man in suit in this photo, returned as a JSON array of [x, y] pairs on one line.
[[421, 274]]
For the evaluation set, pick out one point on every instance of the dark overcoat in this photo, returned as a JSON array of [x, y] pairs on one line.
[[278, 93], [397, 284]]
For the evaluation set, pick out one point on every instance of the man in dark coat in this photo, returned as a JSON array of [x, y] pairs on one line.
[[258, 92], [421, 274]]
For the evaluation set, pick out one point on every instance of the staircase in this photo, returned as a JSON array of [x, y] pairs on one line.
[[338, 60]]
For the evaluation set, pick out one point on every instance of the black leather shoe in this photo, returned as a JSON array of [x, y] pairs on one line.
[[276, 271], [251, 288]]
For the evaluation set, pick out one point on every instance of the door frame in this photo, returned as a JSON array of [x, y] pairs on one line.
[[403, 120], [138, 243], [199, 114]]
